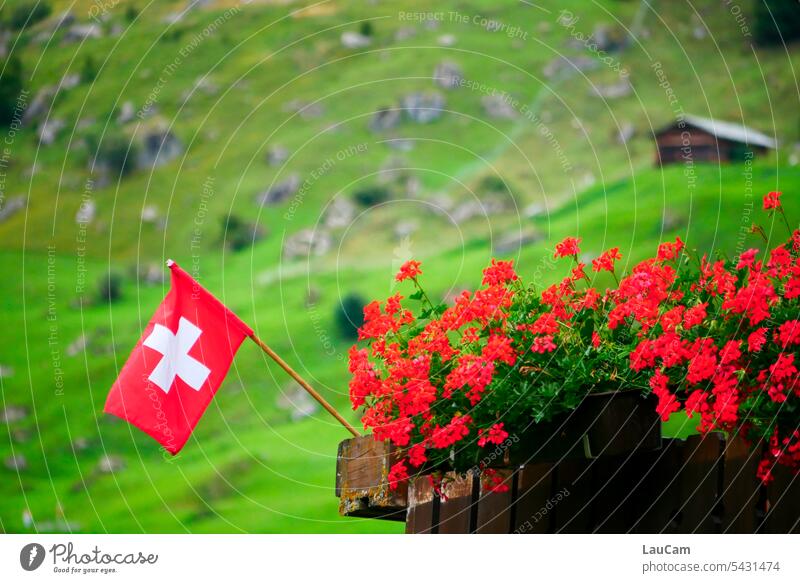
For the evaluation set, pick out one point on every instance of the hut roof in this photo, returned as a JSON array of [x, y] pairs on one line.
[[726, 130]]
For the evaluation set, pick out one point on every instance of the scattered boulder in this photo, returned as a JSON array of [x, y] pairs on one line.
[[312, 296], [13, 413], [340, 213], [306, 243], [513, 242], [297, 402], [354, 40], [150, 214], [625, 132], [63, 20], [108, 464], [39, 104], [304, 109], [671, 221], [86, 212], [159, 147], [16, 463], [568, 65], [386, 118], [609, 38], [405, 33], [12, 205], [448, 75], [77, 346], [150, 274], [621, 88], [400, 144], [69, 82], [126, 113], [405, 229], [498, 107], [446, 40], [280, 191], [277, 155], [423, 107], [48, 131], [81, 32]]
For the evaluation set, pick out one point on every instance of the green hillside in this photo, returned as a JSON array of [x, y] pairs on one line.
[[226, 82]]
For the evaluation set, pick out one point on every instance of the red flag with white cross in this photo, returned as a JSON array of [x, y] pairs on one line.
[[179, 363]]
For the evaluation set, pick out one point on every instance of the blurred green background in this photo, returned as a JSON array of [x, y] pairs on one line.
[[262, 146]]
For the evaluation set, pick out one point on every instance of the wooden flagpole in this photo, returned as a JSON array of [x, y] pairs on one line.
[[320, 399]]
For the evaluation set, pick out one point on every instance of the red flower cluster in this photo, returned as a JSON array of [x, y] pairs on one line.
[[716, 339]]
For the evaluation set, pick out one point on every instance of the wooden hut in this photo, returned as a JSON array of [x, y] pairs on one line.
[[700, 139]]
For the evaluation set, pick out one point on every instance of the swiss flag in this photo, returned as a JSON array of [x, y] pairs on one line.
[[178, 364]]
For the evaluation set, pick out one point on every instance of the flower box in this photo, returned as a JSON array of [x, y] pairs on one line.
[[705, 484]]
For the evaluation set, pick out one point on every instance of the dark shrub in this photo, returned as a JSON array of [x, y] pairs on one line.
[[371, 195], [366, 28], [89, 70], [786, 23], [349, 316], [109, 288], [114, 151], [28, 13], [10, 88], [239, 234]]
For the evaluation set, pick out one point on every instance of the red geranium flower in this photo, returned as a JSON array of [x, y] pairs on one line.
[[568, 247], [606, 261], [772, 200], [409, 269]]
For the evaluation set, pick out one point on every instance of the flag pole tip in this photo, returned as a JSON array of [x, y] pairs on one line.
[[170, 263]]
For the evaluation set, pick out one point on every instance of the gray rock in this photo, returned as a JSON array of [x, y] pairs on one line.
[[568, 65], [617, 90], [86, 212], [277, 155], [405, 229], [423, 107], [400, 144], [297, 402], [386, 118], [304, 109], [81, 32], [405, 33], [126, 112], [63, 20], [280, 191], [446, 40], [150, 274], [609, 38], [340, 213], [159, 147], [48, 131], [513, 242], [625, 133], [77, 346], [13, 413], [150, 214], [108, 464], [354, 40], [448, 75], [69, 82], [306, 243], [498, 107], [12, 206], [39, 104], [16, 463]]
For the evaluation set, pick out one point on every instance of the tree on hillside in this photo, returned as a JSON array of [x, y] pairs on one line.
[[29, 13], [350, 316], [10, 88], [776, 21]]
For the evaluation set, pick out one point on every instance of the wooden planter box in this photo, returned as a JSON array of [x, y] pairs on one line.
[[705, 484]]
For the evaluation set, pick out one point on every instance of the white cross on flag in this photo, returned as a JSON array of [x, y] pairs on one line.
[[178, 364]]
